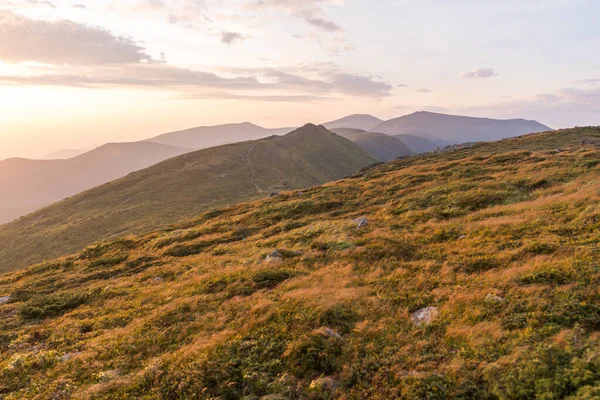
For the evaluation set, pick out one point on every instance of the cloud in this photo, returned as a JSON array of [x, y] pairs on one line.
[[357, 85], [63, 42], [231, 37], [562, 108], [589, 82], [402, 85], [324, 24], [480, 73], [169, 77], [423, 91], [309, 10], [263, 98]]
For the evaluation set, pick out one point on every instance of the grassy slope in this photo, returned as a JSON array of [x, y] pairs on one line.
[[178, 188], [195, 312], [382, 146]]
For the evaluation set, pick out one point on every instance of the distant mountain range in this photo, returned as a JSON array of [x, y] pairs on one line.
[[27, 185], [209, 136], [458, 129], [178, 188]]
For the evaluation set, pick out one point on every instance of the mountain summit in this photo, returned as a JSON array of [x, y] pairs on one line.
[[356, 121]]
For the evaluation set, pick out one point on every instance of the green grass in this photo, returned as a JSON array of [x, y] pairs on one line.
[[194, 311]]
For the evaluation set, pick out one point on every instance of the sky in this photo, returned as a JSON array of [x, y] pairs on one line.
[[79, 73]]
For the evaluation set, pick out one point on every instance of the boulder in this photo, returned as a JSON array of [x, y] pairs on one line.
[[4, 300], [425, 316], [273, 194]]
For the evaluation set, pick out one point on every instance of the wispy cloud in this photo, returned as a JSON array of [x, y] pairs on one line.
[[231, 37], [480, 73]]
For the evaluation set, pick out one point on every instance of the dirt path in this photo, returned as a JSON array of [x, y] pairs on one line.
[[247, 160]]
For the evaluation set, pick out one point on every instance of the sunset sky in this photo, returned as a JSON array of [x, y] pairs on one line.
[[76, 73]]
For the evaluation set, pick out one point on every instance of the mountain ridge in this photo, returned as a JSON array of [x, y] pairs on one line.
[[180, 187]]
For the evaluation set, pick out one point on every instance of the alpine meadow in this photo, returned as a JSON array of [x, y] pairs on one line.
[[304, 200]]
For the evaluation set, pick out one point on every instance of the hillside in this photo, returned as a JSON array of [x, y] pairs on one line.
[[458, 129], [209, 136], [384, 147], [475, 277], [27, 185], [356, 121], [418, 144], [180, 187]]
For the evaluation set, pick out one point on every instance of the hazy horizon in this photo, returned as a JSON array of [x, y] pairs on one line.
[[74, 75]]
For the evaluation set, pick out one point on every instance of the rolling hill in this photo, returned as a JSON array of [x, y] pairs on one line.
[[180, 187], [474, 276], [209, 136], [382, 146], [27, 185], [458, 129], [418, 144], [357, 121]]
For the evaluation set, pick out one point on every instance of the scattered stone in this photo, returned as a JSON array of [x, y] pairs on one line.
[[157, 279], [327, 332], [425, 316], [494, 298], [361, 222], [274, 257], [67, 356], [462, 237], [4, 300], [325, 383], [273, 194], [108, 375]]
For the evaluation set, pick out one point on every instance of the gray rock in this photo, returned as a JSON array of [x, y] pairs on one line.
[[4, 300], [109, 375], [274, 257], [157, 279], [425, 316], [325, 383], [327, 332], [273, 194], [67, 356], [361, 222], [494, 298]]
